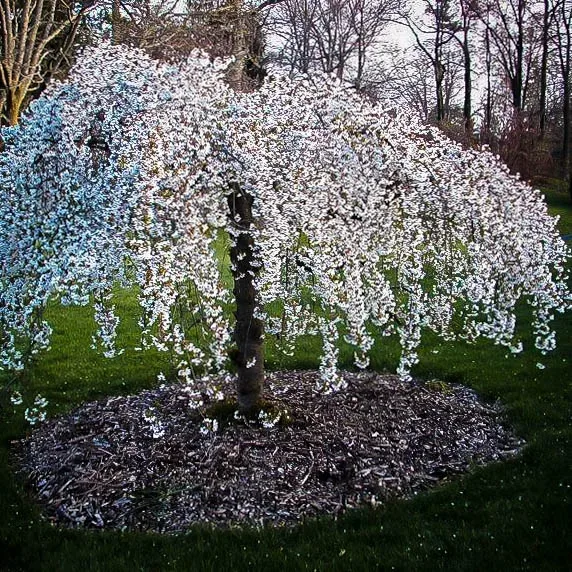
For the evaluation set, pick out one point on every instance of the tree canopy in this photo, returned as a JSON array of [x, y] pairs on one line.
[[362, 221]]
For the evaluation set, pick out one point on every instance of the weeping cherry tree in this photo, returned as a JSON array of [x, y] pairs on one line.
[[345, 221]]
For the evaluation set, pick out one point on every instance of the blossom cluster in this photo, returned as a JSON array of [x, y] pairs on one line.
[[367, 222]]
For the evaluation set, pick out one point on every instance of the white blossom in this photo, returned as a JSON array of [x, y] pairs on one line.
[[268, 420], [368, 223], [36, 413], [153, 424], [208, 427]]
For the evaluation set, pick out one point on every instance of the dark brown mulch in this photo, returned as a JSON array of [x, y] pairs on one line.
[[148, 462]]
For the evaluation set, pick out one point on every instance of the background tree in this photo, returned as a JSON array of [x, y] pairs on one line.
[[40, 37], [404, 80], [462, 36], [37, 39], [563, 43], [334, 36], [293, 24], [547, 16], [368, 21], [515, 36], [171, 29], [433, 34]]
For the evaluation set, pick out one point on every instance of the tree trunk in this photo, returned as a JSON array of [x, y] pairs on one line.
[[360, 64], [518, 78], [564, 44], [566, 126], [544, 68], [439, 77], [248, 333], [13, 106], [438, 66], [489, 104], [116, 36], [467, 112]]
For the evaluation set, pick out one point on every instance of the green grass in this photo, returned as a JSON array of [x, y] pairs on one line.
[[515, 515], [560, 204]]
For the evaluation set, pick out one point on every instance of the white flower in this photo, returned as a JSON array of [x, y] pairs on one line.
[[37, 413], [208, 427], [368, 224]]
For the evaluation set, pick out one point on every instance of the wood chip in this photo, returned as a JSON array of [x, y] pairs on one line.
[[141, 462]]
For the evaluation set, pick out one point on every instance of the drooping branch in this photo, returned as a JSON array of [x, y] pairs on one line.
[[371, 261]]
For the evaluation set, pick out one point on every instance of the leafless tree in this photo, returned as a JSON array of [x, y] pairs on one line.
[[462, 34], [333, 35], [37, 38], [163, 28], [293, 24], [433, 34], [368, 20], [547, 15], [563, 44], [336, 36], [172, 29], [516, 40], [406, 80], [403, 79]]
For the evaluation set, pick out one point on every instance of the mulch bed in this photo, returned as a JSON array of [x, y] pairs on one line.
[[151, 461]]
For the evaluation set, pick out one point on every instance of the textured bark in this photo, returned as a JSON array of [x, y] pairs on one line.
[[116, 24], [564, 44], [544, 67], [36, 38], [467, 111], [466, 23], [439, 77], [249, 330], [489, 103], [566, 121], [13, 106], [517, 82]]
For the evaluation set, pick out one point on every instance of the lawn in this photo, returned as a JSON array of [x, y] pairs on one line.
[[515, 515]]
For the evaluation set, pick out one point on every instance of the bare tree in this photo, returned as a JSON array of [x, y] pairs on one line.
[[433, 33], [37, 39], [403, 79], [462, 36], [333, 35], [368, 20], [563, 43], [407, 81], [172, 29], [515, 37], [336, 36], [293, 23], [488, 64], [547, 18], [163, 28]]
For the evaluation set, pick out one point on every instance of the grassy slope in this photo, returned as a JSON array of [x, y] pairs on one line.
[[560, 205], [513, 515]]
